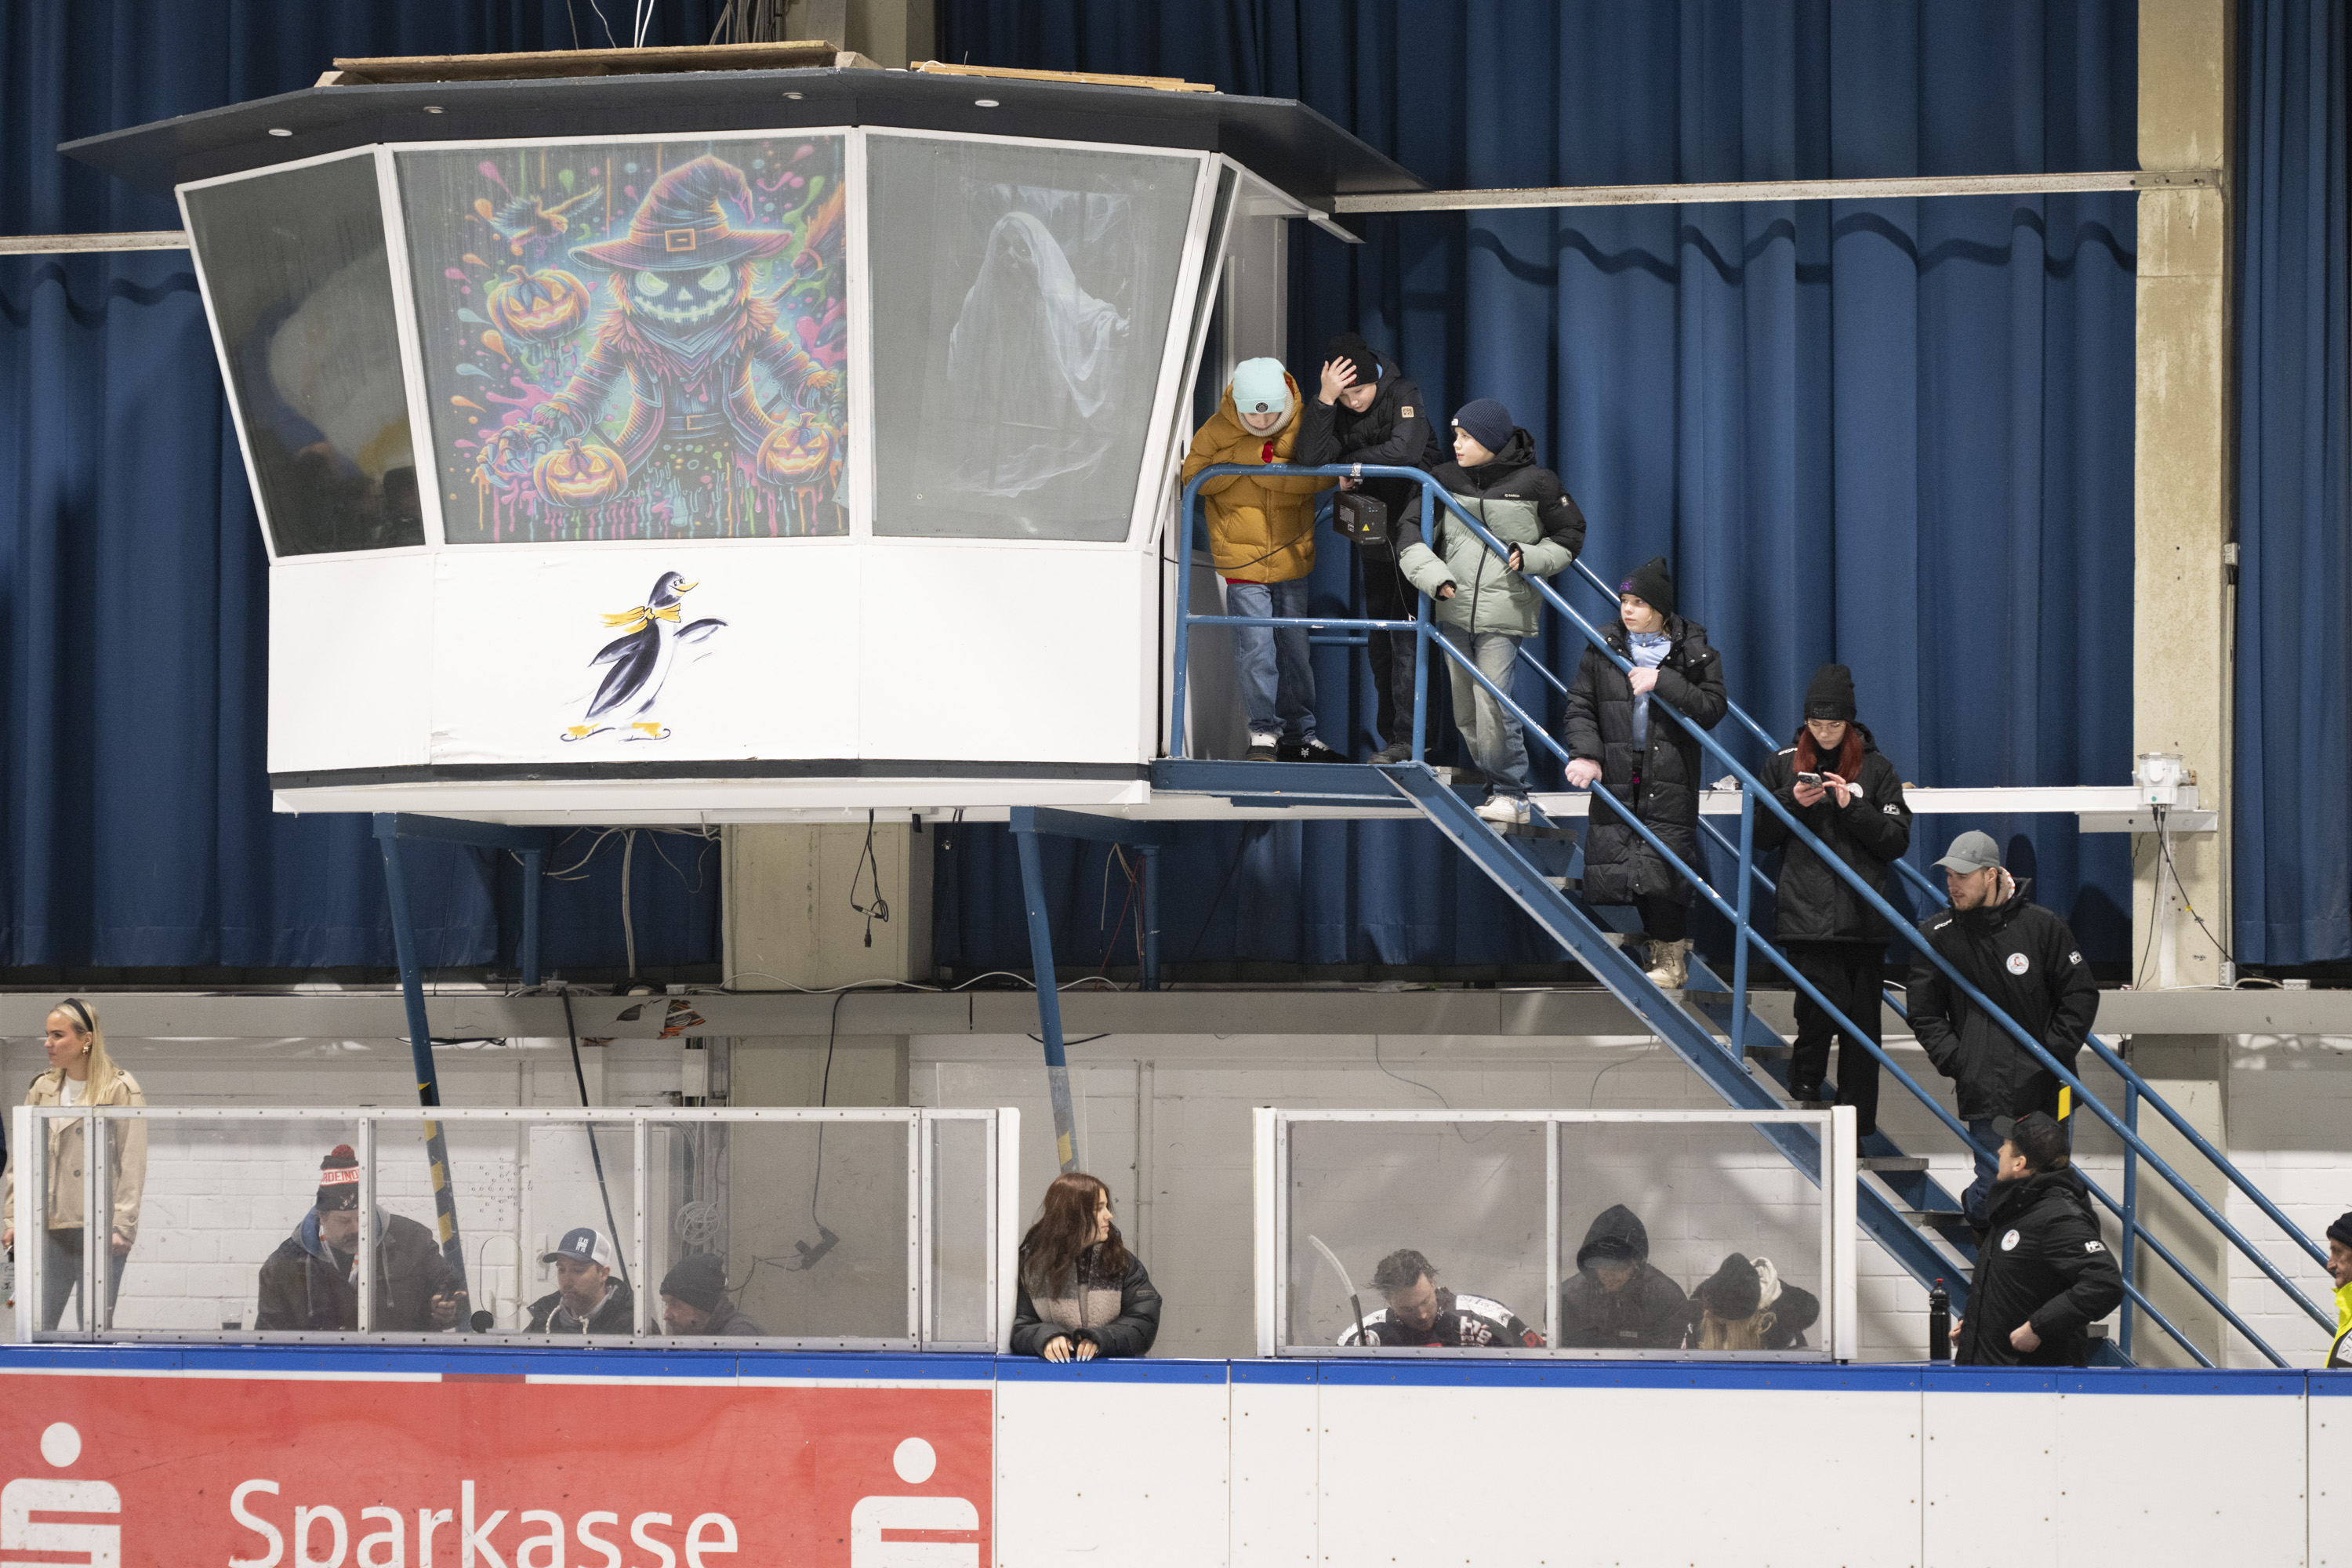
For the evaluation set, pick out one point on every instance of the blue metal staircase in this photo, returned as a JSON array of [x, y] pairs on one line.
[[1914, 1218]]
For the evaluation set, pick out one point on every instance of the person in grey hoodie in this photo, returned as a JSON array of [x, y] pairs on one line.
[[1616, 1300], [1485, 604], [694, 1299]]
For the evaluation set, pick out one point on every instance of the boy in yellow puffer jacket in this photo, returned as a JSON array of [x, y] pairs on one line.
[[1262, 537], [2339, 1269]]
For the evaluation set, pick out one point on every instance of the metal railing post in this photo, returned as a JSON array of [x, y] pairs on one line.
[[2128, 1252], [1176, 724], [1049, 1000], [529, 955], [1739, 943]]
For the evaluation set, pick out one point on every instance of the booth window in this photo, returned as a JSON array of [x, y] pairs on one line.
[[634, 340], [301, 288], [1021, 297]]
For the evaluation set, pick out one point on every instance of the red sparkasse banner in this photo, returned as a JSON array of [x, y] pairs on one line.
[[129, 1471]]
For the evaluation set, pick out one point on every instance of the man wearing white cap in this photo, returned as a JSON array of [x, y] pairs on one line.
[[2024, 959], [587, 1298]]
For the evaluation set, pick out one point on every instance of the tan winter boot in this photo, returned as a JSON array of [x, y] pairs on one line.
[[1669, 964]]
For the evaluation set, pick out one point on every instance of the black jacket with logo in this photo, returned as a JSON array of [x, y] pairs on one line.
[[1618, 862], [1872, 830], [1463, 1322], [1395, 432], [2023, 958], [2042, 1262]]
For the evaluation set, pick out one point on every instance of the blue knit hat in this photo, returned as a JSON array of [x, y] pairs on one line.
[[1488, 422], [1260, 387]]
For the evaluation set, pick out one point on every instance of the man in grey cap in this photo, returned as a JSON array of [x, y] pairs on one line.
[[2024, 959]]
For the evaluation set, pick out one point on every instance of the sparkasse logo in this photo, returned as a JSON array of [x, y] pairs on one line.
[[27, 1496]]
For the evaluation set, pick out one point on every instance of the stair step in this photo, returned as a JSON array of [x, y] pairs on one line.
[[1536, 830], [1892, 1162], [1933, 1216], [1777, 1052]]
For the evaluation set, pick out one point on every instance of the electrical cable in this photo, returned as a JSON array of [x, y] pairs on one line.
[[879, 909], [595, 1155], [628, 923]]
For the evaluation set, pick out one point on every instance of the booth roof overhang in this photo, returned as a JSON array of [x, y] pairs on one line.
[[1280, 140]]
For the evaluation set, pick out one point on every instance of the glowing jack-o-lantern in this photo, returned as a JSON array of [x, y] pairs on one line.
[[580, 474], [795, 450], [532, 307]]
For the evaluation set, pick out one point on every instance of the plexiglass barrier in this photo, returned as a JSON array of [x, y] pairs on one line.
[[852, 1229], [1705, 1234]]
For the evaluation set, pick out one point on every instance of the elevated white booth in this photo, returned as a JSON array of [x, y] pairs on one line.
[[708, 447]]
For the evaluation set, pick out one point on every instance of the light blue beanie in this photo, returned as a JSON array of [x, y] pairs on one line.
[[1259, 387]]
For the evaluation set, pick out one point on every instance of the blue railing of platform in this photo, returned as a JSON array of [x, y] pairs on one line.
[[1653, 1006]]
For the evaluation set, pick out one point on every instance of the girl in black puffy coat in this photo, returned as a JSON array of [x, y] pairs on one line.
[[1645, 760], [1081, 1293]]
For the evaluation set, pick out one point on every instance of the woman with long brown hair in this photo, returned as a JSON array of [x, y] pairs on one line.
[[80, 1073], [1083, 1294]]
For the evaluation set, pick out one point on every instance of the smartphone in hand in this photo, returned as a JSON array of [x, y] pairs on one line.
[[1813, 779]]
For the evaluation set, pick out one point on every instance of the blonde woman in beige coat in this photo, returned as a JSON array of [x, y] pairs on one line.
[[80, 1073]]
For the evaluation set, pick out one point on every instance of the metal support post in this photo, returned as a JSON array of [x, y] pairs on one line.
[[1739, 933], [2131, 1214], [1151, 917], [1422, 634], [420, 1044], [533, 862], [1049, 1001]]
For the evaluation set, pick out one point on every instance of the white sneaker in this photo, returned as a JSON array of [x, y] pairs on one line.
[[1505, 809]]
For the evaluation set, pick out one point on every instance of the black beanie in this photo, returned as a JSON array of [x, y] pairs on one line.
[[1652, 583], [1830, 693], [2341, 1230], [1351, 347], [699, 1281], [339, 1179], [1732, 1292]]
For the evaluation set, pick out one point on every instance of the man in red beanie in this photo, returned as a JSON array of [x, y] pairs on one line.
[[310, 1282]]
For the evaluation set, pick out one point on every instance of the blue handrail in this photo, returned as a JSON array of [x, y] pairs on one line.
[[1432, 496], [2107, 1053]]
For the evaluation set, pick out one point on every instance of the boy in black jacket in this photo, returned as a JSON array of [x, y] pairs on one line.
[[1366, 411], [1854, 805], [2042, 1275]]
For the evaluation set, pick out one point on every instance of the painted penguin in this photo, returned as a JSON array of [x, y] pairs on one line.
[[641, 656]]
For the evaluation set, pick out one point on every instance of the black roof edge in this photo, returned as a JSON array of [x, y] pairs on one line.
[[1282, 141]]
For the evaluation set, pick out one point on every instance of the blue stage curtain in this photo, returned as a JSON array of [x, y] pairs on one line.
[[135, 822], [2294, 828], [1893, 433]]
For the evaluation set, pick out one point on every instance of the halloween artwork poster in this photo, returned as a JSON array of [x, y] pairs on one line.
[[634, 340]]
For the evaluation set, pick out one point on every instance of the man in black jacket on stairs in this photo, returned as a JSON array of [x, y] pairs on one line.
[[1837, 783], [2023, 958]]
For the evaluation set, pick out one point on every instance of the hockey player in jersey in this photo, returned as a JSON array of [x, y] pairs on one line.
[[1420, 1312]]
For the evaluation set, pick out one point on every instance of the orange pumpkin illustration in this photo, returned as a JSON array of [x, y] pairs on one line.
[[532, 307], [793, 451], [580, 474]]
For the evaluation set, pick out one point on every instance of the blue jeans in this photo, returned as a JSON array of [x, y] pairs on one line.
[[1490, 733], [1977, 1202], [1278, 677]]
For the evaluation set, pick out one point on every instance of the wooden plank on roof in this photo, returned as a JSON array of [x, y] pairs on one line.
[[594, 62], [1092, 78]]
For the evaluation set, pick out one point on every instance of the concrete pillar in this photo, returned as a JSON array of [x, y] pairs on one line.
[[2181, 619], [794, 901]]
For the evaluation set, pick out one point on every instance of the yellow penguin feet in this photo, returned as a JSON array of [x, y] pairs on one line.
[[581, 732], [651, 731]]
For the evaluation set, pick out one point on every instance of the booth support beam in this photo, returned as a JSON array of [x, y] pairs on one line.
[[531, 844], [1151, 838]]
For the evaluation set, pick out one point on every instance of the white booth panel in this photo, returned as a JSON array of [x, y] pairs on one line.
[[348, 676], [1119, 1462], [1480, 1473], [1025, 655], [1276, 1413], [2085, 1467], [744, 654], [2328, 1413]]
